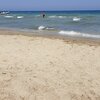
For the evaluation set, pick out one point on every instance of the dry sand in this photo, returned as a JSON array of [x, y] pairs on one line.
[[37, 68]]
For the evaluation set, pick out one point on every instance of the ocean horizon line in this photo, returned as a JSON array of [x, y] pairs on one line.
[[48, 10]]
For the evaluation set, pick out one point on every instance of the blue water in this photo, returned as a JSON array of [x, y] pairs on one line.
[[71, 23]]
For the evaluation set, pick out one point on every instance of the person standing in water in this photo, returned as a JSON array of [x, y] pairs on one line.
[[43, 15]]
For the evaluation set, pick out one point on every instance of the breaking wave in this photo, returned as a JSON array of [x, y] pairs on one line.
[[8, 16], [76, 19], [78, 34], [20, 17], [41, 28], [45, 28]]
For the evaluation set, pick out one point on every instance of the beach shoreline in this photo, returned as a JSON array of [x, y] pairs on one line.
[[34, 67], [79, 40]]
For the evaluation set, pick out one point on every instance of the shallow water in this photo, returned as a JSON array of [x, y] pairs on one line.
[[68, 23]]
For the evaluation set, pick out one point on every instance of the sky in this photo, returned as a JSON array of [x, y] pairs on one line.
[[49, 5]]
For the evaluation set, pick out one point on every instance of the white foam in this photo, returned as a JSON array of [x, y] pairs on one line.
[[77, 34], [91, 36], [52, 16], [76, 19], [41, 27], [61, 17], [57, 16], [70, 33], [20, 17], [8, 16], [45, 28]]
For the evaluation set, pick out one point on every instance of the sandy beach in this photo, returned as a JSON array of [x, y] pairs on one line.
[[37, 68]]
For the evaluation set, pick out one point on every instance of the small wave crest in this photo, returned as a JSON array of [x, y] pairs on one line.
[[61, 17], [45, 28], [57, 16], [91, 36], [41, 27], [70, 33], [20, 17], [78, 34], [8, 16], [76, 19], [52, 16]]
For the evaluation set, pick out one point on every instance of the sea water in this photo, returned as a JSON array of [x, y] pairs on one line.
[[67, 23]]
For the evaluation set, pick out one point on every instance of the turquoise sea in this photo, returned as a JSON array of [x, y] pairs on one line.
[[84, 24]]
